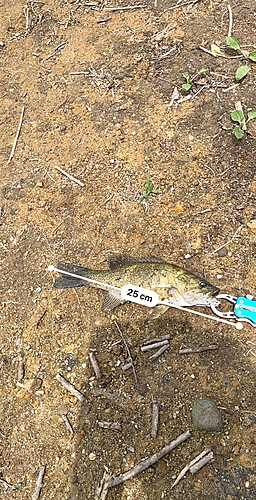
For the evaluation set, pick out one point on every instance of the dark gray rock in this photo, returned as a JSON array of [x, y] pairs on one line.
[[206, 416]]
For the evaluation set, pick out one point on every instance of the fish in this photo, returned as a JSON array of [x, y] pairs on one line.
[[173, 284]]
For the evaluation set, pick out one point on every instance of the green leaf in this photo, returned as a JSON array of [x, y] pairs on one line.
[[241, 72], [157, 191], [233, 42], [203, 70], [252, 56], [252, 114], [186, 86], [238, 132], [237, 116], [186, 75], [216, 50], [148, 184]]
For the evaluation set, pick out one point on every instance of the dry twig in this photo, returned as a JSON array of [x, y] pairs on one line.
[[70, 387], [129, 7], [69, 176], [230, 241], [195, 465], [67, 423], [158, 353], [17, 135], [21, 370], [95, 365], [230, 20], [198, 349], [155, 419], [39, 483], [55, 51], [148, 462], [128, 352], [156, 345]]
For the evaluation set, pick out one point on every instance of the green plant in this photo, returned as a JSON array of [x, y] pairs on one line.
[[149, 190], [70, 19], [242, 71], [239, 118], [187, 86]]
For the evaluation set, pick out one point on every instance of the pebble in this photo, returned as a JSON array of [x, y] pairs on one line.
[[222, 252], [63, 128], [206, 416]]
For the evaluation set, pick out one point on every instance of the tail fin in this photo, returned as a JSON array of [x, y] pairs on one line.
[[69, 281]]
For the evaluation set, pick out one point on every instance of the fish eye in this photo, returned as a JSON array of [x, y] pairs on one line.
[[202, 284]]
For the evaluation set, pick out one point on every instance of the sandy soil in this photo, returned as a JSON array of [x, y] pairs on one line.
[[99, 107]]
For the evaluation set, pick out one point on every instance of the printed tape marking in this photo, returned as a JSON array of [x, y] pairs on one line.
[[140, 295]]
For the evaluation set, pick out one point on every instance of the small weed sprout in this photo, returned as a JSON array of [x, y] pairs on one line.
[[149, 190], [187, 86], [242, 71], [70, 20], [239, 118]]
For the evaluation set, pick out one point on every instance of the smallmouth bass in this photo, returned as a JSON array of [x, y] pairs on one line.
[[174, 285]]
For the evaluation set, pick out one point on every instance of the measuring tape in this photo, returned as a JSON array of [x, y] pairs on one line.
[[146, 297]]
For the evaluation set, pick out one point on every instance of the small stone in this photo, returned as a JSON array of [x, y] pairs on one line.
[[74, 479], [206, 416], [92, 456], [142, 389], [252, 225], [222, 252], [63, 128], [40, 184], [62, 410]]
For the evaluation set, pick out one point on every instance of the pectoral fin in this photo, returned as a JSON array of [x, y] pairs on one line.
[[158, 311], [111, 301]]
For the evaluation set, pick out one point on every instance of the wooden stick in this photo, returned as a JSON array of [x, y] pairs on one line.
[[158, 353], [39, 483], [149, 347], [230, 20], [127, 367], [128, 352], [200, 463], [101, 491], [189, 466], [21, 370], [148, 462], [55, 51], [155, 419], [17, 135], [129, 7], [69, 176], [198, 349], [165, 337], [95, 365], [70, 387], [67, 423]]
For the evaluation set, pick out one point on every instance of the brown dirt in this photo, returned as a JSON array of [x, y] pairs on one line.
[[109, 129]]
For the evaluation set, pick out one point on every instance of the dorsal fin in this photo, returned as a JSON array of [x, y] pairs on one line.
[[121, 260], [124, 260]]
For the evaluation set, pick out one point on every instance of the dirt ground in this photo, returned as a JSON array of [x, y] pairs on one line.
[[97, 87]]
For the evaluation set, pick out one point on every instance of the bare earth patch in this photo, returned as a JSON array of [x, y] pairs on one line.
[[97, 85]]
